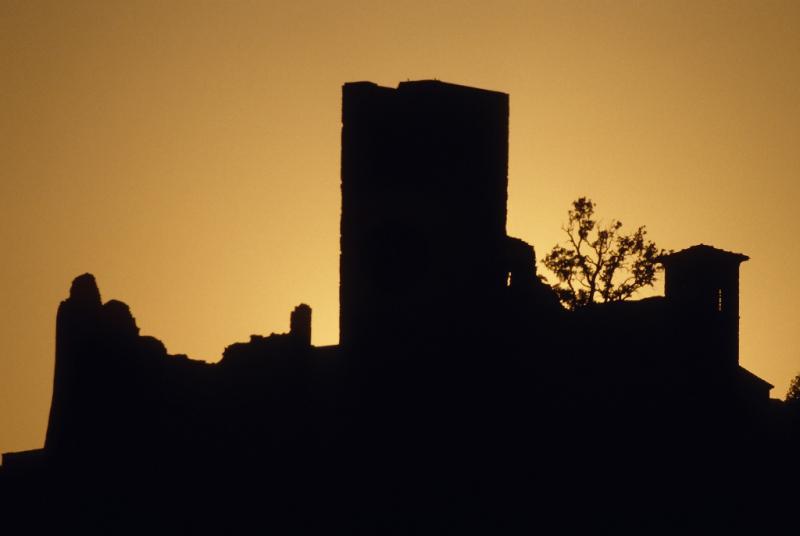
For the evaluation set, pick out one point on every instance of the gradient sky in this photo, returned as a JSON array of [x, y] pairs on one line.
[[187, 153]]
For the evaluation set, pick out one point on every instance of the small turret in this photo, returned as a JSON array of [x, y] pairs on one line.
[[703, 281]]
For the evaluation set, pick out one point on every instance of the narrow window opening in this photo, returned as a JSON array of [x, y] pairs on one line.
[[719, 300]]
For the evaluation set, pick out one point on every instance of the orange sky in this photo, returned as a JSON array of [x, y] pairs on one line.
[[187, 153]]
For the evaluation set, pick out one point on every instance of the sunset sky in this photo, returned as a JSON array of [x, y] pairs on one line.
[[187, 153]]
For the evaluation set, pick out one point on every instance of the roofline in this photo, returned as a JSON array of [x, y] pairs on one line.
[[409, 84], [701, 249], [759, 378]]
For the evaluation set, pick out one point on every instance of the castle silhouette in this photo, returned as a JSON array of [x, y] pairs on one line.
[[461, 398]]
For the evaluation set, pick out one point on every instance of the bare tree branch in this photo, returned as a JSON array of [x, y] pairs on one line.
[[613, 267]]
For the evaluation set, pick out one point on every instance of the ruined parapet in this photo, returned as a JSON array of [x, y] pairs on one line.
[[532, 296], [521, 263], [77, 327], [100, 360], [276, 349], [300, 324]]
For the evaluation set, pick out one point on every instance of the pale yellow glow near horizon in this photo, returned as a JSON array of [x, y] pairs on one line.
[[187, 154]]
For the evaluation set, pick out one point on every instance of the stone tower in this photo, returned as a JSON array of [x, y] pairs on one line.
[[703, 282], [424, 188]]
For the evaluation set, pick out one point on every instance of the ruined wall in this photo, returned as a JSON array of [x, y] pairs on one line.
[[300, 324]]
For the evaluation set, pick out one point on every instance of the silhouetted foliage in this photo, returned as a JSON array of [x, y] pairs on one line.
[[793, 395], [598, 262]]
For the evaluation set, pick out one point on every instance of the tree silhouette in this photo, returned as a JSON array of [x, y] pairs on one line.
[[598, 263], [793, 395]]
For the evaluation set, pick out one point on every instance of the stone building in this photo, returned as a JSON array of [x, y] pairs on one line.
[[460, 388]]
